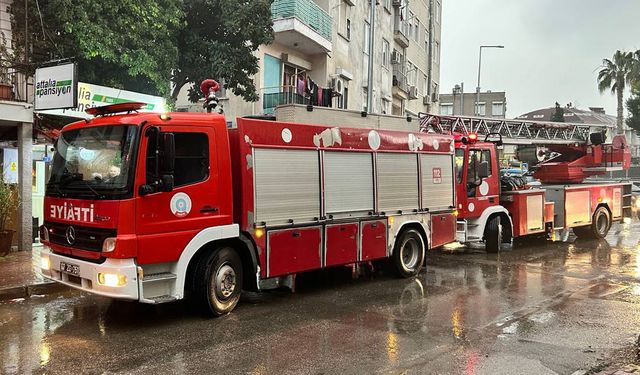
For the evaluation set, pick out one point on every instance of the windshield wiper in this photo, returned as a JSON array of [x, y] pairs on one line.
[[68, 177]]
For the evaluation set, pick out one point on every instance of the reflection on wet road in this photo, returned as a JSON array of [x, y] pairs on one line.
[[537, 309]]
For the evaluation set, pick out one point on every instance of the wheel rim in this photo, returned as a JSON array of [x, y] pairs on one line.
[[410, 253], [224, 281], [601, 224]]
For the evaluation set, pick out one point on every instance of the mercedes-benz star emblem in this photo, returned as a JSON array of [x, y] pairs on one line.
[[71, 235]]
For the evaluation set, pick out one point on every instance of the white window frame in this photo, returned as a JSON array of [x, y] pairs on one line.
[[438, 11], [425, 85], [448, 106], [482, 108], [344, 20], [436, 52], [493, 106], [386, 53]]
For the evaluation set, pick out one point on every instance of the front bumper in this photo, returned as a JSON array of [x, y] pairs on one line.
[[88, 277]]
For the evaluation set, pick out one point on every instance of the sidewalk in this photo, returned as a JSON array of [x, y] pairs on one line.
[[20, 276]]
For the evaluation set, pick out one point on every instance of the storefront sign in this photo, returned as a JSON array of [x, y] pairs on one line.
[[56, 87], [97, 96]]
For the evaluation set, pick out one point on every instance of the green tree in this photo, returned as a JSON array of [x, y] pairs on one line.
[[558, 115], [219, 41], [616, 74], [129, 44], [633, 107]]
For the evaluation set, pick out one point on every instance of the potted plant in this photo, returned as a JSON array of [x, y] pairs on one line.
[[9, 201]]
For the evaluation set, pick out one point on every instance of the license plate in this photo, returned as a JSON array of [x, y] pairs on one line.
[[71, 269]]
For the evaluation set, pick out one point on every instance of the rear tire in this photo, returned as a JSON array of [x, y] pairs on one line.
[[600, 225], [408, 253], [493, 235], [217, 282]]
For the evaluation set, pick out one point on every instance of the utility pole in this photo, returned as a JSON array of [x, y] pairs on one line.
[[477, 109]]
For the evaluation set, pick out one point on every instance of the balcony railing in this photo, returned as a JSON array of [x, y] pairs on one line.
[[275, 96], [307, 11], [400, 77], [15, 86], [401, 30]]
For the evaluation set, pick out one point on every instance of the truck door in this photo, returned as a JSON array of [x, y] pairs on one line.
[[481, 193], [167, 221]]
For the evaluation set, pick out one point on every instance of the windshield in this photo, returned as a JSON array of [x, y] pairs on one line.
[[94, 161]]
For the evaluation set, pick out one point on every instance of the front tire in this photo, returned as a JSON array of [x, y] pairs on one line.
[[493, 235], [218, 282], [408, 253]]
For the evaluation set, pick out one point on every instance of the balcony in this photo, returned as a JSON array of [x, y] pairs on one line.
[[302, 25], [400, 30], [14, 85], [400, 78]]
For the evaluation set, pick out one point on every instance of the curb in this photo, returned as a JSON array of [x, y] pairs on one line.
[[30, 290]]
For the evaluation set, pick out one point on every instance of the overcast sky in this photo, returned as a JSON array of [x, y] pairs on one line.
[[553, 48]]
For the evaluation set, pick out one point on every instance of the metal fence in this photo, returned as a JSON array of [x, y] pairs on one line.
[[14, 84]]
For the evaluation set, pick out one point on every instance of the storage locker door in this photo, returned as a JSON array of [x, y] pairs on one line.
[[341, 244], [535, 213], [443, 229], [348, 182], [374, 239], [578, 208], [287, 185], [437, 181], [293, 250], [397, 182]]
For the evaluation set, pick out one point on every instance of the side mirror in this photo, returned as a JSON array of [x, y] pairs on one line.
[[167, 183], [483, 169], [167, 153]]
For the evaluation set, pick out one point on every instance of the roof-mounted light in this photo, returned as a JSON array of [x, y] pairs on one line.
[[116, 108]]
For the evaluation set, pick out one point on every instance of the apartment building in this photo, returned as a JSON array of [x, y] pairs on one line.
[[491, 104], [324, 45]]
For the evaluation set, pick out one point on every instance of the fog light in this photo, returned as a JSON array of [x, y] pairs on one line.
[[111, 279], [45, 263], [109, 245]]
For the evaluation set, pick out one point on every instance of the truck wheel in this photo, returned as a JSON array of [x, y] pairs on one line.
[[408, 253], [493, 235], [218, 282], [600, 225]]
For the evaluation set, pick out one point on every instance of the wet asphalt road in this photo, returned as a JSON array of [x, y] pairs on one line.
[[541, 309]]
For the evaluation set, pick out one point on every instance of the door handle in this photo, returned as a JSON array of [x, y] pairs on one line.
[[374, 225], [208, 209], [295, 234]]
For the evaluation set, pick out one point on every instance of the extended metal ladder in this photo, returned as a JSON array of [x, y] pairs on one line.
[[513, 131]]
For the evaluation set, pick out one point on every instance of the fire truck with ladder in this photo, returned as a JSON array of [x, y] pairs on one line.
[[161, 207]]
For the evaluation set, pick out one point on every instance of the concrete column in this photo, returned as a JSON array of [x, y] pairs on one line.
[[25, 165]]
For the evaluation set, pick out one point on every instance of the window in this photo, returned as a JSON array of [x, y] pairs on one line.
[[475, 158], [367, 34], [436, 52], [446, 109], [438, 12], [416, 30], [192, 158], [410, 19], [497, 109], [344, 23], [365, 99], [481, 109], [426, 40], [425, 85], [385, 53], [459, 164], [385, 106]]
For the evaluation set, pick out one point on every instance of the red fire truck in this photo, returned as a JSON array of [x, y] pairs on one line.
[[159, 207], [496, 209]]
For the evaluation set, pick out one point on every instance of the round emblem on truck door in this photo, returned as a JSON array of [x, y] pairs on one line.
[[180, 205], [71, 235]]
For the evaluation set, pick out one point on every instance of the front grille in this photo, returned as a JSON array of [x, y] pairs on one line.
[[86, 238]]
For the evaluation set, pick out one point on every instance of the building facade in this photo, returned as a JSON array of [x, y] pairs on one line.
[[491, 104], [324, 45]]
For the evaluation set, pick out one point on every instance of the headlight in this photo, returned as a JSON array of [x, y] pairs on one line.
[[109, 245], [111, 279], [44, 233], [45, 263]]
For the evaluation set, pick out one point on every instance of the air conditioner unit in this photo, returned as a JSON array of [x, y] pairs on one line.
[[413, 92], [337, 85], [434, 97], [425, 99], [396, 57]]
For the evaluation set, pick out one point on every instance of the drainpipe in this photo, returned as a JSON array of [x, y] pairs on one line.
[[430, 53], [372, 22]]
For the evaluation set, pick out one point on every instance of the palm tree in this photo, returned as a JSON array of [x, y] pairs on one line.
[[616, 75]]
